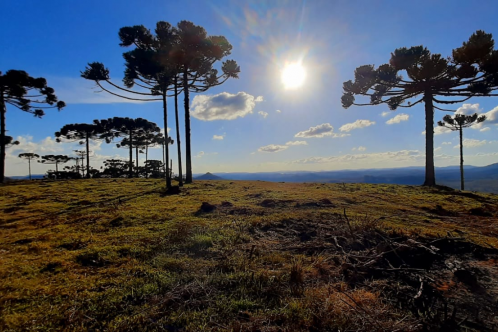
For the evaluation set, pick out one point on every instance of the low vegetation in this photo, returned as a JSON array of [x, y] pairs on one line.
[[126, 255]]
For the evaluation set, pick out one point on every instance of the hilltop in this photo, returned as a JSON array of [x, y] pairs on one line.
[[208, 176], [121, 255]]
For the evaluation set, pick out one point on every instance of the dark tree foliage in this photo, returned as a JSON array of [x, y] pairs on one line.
[[9, 141], [457, 123], [30, 95], [83, 132], [472, 70], [29, 156], [129, 129], [115, 168], [194, 55], [55, 160], [153, 168]]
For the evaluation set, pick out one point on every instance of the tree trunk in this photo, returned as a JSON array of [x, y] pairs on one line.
[[130, 163], [87, 157], [430, 174], [164, 162], [188, 151], [165, 111], [3, 110], [178, 145], [29, 167], [462, 182], [56, 167], [146, 158], [136, 162]]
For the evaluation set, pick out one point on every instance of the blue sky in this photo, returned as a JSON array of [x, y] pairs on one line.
[[56, 39]]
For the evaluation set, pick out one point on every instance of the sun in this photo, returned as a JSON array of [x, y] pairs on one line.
[[293, 75]]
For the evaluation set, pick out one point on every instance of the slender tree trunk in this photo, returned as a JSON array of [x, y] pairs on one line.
[[164, 162], [56, 167], [29, 167], [188, 151], [87, 157], [136, 161], [3, 110], [462, 182], [178, 144], [146, 158], [130, 163], [430, 174], [165, 110]]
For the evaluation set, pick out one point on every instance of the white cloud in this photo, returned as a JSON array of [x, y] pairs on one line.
[[437, 149], [200, 154], [362, 148], [397, 156], [472, 143], [263, 114], [398, 118], [384, 114], [491, 116], [356, 125], [446, 143], [439, 130], [278, 111], [485, 129], [223, 106], [218, 137], [273, 148], [45, 146], [296, 143], [325, 129]]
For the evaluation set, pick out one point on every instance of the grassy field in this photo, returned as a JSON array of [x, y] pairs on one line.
[[123, 255]]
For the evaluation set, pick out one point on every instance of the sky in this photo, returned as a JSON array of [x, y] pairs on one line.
[[255, 123]]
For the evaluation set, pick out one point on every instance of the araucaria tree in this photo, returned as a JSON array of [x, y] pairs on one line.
[[9, 141], [194, 56], [55, 160], [26, 93], [148, 67], [457, 123], [29, 156], [130, 129], [82, 132], [431, 79]]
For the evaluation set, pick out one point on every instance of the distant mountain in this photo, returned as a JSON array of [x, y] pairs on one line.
[[209, 176], [26, 177], [483, 178]]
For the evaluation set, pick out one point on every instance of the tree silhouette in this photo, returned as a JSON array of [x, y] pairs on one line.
[[55, 160], [148, 66], [29, 156], [153, 167], [457, 123], [82, 132], [472, 70], [114, 167], [128, 128], [9, 141], [29, 94], [195, 54]]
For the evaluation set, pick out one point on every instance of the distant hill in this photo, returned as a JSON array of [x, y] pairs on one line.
[[26, 177], [483, 178], [209, 176]]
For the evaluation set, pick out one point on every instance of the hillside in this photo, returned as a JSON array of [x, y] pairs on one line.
[[208, 176], [120, 255]]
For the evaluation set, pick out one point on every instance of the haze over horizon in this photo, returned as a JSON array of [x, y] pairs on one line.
[[284, 112]]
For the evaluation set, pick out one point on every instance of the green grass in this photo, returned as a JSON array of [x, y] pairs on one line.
[[119, 255]]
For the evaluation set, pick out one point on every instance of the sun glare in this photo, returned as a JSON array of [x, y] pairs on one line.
[[293, 75]]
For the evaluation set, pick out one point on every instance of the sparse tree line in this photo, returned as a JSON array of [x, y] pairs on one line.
[[167, 63], [176, 60]]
